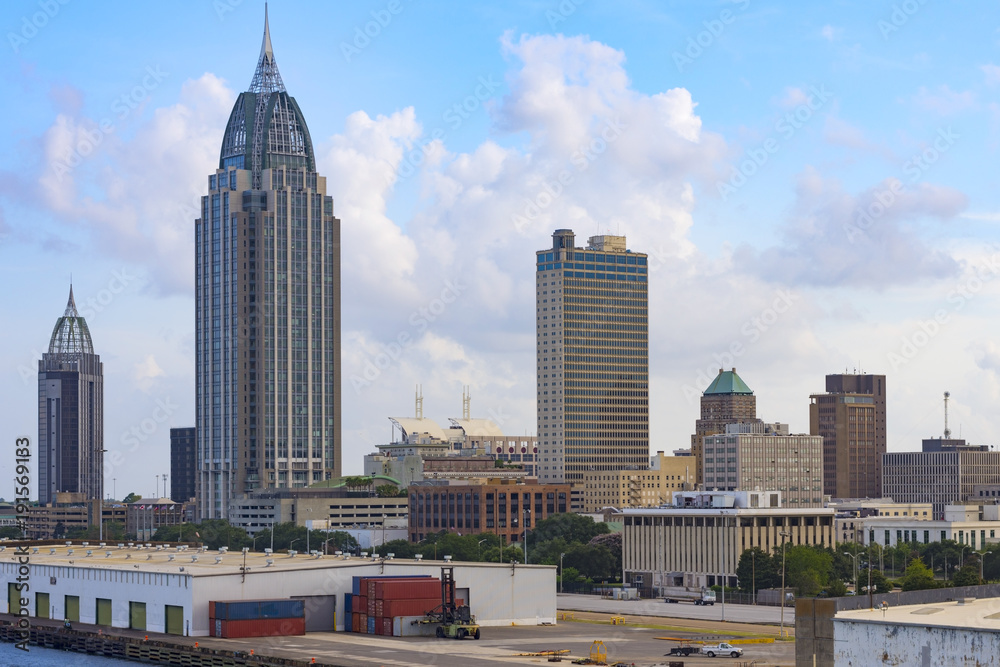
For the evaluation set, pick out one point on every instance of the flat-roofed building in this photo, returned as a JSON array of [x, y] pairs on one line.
[[965, 524], [501, 507], [694, 547], [638, 488], [764, 456], [851, 514], [69, 511], [940, 478], [340, 507]]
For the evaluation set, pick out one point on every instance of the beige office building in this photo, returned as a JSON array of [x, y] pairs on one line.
[[851, 417], [940, 478], [638, 488], [702, 547], [339, 509], [592, 346], [765, 457]]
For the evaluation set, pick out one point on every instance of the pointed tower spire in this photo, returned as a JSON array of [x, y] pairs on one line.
[[71, 305], [266, 79]]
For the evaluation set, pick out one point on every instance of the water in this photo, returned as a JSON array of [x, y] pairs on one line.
[[47, 657]]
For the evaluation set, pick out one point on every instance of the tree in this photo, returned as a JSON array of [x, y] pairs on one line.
[[836, 589], [613, 542], [387, 491], [879, 583], [131, 498], [918, 576], [757, 570], [570, 527], [967, 576], [59, 532], [11, 532], [807, 569]]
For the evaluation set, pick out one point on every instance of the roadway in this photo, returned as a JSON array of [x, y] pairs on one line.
[[740, 613]]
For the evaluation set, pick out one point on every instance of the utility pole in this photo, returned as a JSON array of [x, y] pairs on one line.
[[784, 535]]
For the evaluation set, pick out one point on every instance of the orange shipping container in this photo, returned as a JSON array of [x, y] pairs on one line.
[[395, 608], [262, 627], [402, 589]]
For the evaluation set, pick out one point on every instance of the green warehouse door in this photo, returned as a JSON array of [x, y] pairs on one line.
[[72, 608], [103, 611], [137, 615], [42, 605], [175, 620], [13, 598]]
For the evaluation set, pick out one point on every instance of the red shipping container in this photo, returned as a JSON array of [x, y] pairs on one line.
[[262, 627], [387, 627], [395, 608], [403, 589], [379, 607], [360, 604], [211, 609]]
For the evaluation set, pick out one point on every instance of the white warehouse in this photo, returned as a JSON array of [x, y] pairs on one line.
[[167, 589]]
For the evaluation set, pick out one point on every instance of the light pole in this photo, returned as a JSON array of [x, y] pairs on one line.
[[479, 550], [384, 517], [784, 534], [562, 577], [527, 518], [855, 557], [308, 521], [297, 539]]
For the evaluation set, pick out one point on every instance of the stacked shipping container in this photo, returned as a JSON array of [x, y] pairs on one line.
[[256, 618], [376, 601]]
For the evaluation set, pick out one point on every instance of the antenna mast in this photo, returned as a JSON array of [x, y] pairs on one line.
[[947, 431], [419, 403], [466, 402]]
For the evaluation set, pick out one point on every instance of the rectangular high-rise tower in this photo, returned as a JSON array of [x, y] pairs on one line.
[[851, 419], [592, 341], [267, 267]]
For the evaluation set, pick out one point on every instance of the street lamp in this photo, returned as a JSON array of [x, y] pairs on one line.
[[784, 534], [308, 521], [855, 557], [562, 577], [527, 519], [297, 539], [479, 550]]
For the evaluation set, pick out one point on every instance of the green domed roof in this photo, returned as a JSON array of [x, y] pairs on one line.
[[728, 382]]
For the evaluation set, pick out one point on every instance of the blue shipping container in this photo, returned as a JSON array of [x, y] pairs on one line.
[[371, 625], [348, 603], [348, 621], [282, 609]]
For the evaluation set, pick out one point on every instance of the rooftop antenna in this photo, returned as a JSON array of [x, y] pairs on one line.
[[466, 402], [947, 431], [419, 403]]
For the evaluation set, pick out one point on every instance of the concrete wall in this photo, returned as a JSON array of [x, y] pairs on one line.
[[866, 643]]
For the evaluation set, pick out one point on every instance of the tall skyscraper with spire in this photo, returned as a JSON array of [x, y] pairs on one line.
[[267, 282], [70, 412]]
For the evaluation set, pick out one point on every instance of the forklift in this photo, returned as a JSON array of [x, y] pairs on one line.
[[455, 622]]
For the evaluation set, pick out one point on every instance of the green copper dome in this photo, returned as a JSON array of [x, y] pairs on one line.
[[728, 382]]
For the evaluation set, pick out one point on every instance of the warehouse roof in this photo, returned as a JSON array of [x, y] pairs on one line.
[[171, 560], [968, 613]]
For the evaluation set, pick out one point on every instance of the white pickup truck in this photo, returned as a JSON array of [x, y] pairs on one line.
[[722, 649]]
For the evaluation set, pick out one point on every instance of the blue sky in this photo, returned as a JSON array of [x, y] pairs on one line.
[[752, 138]]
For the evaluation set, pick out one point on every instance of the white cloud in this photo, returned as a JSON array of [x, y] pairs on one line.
[[829, 33], [944, 101], [991, 73]]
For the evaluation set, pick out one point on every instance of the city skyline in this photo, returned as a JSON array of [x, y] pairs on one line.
[[808, 184]]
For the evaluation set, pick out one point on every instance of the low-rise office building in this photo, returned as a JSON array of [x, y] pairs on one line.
[[638, 488], [501, 507], [950, 476], [330, 501], [70, 511], [700, 544], [965, 524], [850, 514]]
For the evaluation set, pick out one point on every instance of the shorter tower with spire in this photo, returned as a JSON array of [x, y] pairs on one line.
[[70, 411]]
